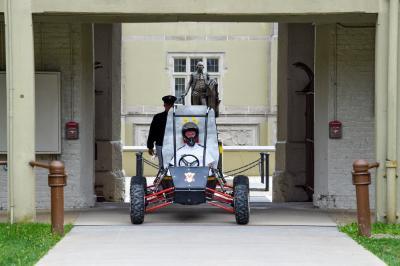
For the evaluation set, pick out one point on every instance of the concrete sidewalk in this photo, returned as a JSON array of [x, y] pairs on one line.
[[261, 214], [279, 234], [207, 245]]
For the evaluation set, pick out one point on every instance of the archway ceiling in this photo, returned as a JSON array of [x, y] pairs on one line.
[[319, 11]]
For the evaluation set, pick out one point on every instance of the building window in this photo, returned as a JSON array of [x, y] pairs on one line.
[[179, 89], [182, 65], [179, 65], [212, 65], [193, 63]]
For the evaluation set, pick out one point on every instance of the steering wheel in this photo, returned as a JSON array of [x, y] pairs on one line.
[[194, 161]]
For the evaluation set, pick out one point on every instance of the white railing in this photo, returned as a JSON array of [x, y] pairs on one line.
[[225, 148]]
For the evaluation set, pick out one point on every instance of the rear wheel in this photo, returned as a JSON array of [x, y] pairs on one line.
[[241, 200], [137, 206]]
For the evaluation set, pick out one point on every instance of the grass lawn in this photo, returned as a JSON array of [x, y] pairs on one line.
[[25, 244], [384, 243]]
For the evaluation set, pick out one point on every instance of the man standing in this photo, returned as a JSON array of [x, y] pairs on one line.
[[199, 83], [157, 128]]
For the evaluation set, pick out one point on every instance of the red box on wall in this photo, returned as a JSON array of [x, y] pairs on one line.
[[335, 129], [72, 130]]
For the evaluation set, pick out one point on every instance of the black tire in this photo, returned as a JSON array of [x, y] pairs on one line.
[[145, 185], [241, 180], [241, 200], [137, 199]]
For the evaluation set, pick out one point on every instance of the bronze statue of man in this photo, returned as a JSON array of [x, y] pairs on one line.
[[199, 83]]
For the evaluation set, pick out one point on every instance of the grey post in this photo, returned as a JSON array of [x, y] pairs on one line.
[[266, 171], [139, 164], [262, 167]]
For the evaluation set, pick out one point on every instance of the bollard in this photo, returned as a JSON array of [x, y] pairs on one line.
[[139, 164], [266, 171], [57, 179], [362, 179], [220, 151], [262, 167]]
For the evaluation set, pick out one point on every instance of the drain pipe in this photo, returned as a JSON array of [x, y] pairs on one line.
[[381, 75], [391, 163], [10, 115]]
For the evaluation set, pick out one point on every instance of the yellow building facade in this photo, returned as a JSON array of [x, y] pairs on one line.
[[157, 60]]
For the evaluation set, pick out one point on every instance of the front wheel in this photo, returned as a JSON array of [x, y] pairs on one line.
[[241, 199], [137, 206]]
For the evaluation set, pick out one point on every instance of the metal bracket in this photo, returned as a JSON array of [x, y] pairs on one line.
[[385, 216], [391, 164]]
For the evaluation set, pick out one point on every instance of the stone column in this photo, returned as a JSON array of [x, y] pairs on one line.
[[109, 181], [20, 110], [279, 185]]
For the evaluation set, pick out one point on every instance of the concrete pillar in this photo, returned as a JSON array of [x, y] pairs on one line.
[[87, 115], [109, 177], [295, 44], [20, 109], [322, 83], [279, 188], [272, 101]]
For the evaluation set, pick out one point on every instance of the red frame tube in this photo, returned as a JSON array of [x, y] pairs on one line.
[[159, 192], [158, 206], [228, 209], [228, 186], [219, 193], [156, 199], [229, 200], [222, 200]]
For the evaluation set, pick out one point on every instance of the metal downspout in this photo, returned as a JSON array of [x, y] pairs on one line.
[[391, 163], [10, 175], [381, 66]]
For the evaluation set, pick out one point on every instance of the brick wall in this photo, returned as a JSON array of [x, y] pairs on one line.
[[355, 109], [58, 48]]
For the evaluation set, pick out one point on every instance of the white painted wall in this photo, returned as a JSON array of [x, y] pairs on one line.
[[323, 51], [65, 48], [355, 109]]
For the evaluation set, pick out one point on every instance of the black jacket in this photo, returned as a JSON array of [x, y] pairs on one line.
[[157, 129]]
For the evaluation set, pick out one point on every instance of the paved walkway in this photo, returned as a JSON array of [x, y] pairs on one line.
[[294, 234]]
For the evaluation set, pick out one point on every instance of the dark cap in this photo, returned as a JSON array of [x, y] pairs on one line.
[[169, 99]]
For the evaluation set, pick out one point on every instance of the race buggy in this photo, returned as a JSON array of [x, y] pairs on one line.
[[188, 180]]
